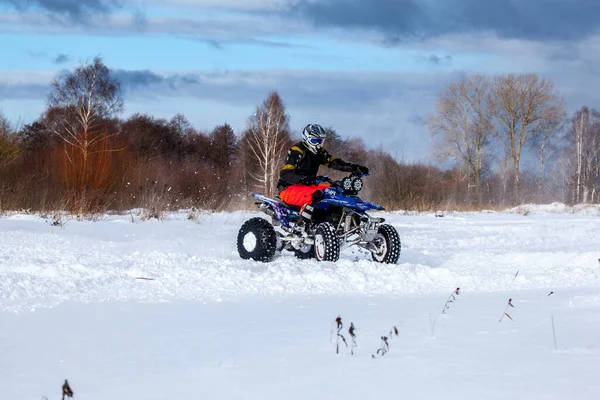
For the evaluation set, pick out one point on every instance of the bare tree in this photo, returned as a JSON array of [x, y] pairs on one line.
[[592, 163], [223, 145], [544, 147], [581, 124], [5, 126], [181, 126], [82, 101], [524, 107], [9, 149], [268, 136], [153, 138], [334, 142], [585, 142], [80, 106], [463, 120]]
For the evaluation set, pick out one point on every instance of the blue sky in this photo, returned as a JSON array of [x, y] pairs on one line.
[[368, 68]]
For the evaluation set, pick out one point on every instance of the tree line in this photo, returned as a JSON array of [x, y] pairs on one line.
[[513, 141], [500, 141]]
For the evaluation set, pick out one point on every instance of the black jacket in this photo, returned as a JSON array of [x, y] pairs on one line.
[[302, 163]]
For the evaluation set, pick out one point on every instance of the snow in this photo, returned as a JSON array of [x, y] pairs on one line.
[[132, 309], [558, 208], [43, 265]]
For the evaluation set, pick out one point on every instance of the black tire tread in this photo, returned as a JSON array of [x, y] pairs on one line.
[[332, 243], [266, 240], [394, 244]]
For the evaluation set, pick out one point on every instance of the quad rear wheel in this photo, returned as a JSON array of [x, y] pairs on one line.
[[257, 240], [327, 244], [388, 245]]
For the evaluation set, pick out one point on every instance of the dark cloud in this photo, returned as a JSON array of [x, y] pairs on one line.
[[133, 82], [61, 59], [58, 59], [315, 90], [136, 81], [140, 22], [215, 44], [74, 8], [437, 60], [406, 20], [221, 43], [347, 92], [23, 91], [213, 32]]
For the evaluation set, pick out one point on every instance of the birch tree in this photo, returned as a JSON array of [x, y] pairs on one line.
[[581, 124], [462, 120], [545, 147], [585, 141], [592, 163], [267, 138], [81, 102], [524, 107], [79, 106]]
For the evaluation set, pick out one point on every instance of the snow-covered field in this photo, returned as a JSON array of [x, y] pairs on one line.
[[206, 324]]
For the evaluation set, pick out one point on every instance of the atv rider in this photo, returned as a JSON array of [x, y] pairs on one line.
[[297, 177]]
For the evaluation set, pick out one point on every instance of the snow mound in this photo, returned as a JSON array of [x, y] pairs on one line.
[[556, 208]]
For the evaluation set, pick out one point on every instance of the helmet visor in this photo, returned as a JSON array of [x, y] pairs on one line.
[[316, 141]]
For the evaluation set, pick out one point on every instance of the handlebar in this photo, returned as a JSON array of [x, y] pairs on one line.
[[325, 178]]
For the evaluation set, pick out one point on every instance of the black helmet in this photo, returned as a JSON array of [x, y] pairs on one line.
[[313, 137]]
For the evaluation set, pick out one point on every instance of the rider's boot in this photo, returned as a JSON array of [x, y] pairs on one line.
[[306, 212], [305, 217]]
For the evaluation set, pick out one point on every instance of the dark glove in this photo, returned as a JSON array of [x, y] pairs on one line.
[[307, 180], [360, 169]]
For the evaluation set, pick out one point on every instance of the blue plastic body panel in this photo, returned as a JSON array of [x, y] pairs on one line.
[[334, 197]]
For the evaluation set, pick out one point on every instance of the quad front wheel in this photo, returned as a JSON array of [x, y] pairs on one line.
[[257, 240], [387, 244]]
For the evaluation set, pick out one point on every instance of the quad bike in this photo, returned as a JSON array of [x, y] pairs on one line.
[[339, 220]]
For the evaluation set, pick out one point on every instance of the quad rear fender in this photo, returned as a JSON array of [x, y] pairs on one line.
[[275, 209]]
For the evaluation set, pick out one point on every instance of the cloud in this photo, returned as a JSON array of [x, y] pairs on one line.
[[74, 9], [61, 58], [23, 91], [139, 21], [385, 109], [58, 59], [217, 32], [314, 90], [436, 60], [27, 85], [221, 22], [409, 20], [382, 108], [134, 81]]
